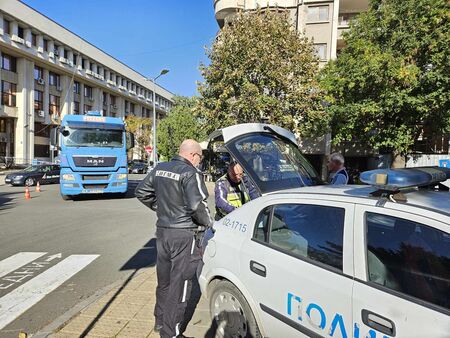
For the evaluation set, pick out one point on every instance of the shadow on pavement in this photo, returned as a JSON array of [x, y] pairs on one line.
[[132, 184], [6, 200], [145, 257]]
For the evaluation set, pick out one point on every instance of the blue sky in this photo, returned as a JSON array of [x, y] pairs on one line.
[[147, 35]]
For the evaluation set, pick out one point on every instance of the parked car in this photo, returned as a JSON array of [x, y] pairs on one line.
[[44, 174], [138, 168], [307, 260]]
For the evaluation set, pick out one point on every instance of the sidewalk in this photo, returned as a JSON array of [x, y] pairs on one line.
[[127, 311]]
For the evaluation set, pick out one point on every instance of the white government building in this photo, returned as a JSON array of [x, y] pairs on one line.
[[47, 72]]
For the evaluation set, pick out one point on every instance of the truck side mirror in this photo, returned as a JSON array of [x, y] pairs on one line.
[[130, 140], [54, 137]]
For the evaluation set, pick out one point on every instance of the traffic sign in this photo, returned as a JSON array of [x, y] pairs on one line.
[[148, 149]]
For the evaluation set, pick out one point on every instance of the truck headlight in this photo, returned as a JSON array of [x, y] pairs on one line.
[[68, 177], [122, 176]]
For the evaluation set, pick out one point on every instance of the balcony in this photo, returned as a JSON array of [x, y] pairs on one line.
[[226, 8]]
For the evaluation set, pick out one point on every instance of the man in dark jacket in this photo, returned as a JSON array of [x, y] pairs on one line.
[[177, 192]]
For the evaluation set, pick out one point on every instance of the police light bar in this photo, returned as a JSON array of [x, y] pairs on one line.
[[396, 179]]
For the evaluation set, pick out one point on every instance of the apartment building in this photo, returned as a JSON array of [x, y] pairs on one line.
[[321, 20], [47, 71]]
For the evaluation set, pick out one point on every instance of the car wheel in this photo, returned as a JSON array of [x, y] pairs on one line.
[[66, 197], [30, 182], [231, 312]]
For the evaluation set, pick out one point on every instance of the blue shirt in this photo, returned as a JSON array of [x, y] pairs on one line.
[[340, 178]]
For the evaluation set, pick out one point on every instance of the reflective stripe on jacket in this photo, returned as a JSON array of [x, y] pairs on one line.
[[228, 198]]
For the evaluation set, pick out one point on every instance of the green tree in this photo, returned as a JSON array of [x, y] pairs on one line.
[[391, 81], [261, 68], [141, 127], [180, 124]]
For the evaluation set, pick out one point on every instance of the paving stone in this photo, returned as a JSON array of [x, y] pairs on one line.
[[108, 327], [136, 329], [123, 311], [77, 325]]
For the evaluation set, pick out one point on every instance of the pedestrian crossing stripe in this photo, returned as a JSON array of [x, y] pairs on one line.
[[19, 300]]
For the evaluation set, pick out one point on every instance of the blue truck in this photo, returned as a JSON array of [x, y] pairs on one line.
[[93, 154]]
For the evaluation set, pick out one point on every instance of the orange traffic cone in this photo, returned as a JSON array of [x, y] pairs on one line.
[[27, 194], [38, 187]]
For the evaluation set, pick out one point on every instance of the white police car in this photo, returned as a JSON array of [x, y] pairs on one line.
[[324, 261]]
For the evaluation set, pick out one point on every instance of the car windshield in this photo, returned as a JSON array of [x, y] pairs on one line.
[[92, 137], [272, 162]]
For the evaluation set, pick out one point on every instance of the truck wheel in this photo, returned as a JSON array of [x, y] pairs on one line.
[[29, 182], [231, 312], [66, 197]]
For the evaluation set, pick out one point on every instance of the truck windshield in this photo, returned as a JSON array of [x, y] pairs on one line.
[[92, 137]]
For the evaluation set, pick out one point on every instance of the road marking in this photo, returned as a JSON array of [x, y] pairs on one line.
[[25, 296], [52, 257], [18, 260]]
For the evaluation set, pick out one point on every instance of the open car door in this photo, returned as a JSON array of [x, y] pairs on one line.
[[268, 154]]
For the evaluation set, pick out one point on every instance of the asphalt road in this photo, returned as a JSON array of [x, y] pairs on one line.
[[120, 231]]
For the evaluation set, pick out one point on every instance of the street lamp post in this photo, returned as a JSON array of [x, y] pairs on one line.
[[153, 79]]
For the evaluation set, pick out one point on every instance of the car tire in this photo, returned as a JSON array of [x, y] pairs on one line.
[[230, 311], [29, 182], [66, 197]]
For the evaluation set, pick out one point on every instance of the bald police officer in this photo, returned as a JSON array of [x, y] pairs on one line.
[[177, 192]]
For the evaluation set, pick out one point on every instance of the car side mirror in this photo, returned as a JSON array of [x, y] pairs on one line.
[[130, 140]]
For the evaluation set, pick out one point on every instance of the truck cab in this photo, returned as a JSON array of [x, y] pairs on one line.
[[93, 155]]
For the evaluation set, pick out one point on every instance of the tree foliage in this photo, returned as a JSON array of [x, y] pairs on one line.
[[141, 127], [391, 81], [261, 68], [180, 124]]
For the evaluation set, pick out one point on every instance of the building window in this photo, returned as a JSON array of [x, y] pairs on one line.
[[6, 25], [9, 94], [34, 39], [318, 14], [20, 32], [408, 257], [321, 51], [53, 79], [9, 63], [83, 63], [112, 99], [105, 99], [46, 45], [132, 107], [74, 59], [38, 73], [54, 104], [110, 76], [66, 54], [88, 91], [41, 150], [38, 100], [87, 108], [41, 130], [76, 87], [76, 107]]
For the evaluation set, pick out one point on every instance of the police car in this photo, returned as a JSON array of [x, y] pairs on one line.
[[327, 261], [42, 173]]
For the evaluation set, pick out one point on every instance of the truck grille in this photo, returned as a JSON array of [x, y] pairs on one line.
[[95, 186], [94, 161], [95, 177]]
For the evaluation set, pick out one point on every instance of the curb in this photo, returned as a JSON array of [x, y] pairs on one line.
[[59, 322]]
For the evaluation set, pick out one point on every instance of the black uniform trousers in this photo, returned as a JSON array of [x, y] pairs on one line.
[[178, 255]]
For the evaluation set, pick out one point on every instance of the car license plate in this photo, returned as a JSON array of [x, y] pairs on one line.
[[92, 191]]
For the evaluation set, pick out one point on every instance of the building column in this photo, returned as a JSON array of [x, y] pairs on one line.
[[40, 44], [60, 52], [14, 28], [51, 47], [2, 29], [27, 37], [24, 145], [334, 30], [70, 57], [81, 98], [46, 100], [120, 101], [97, 95], [66, 96]]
